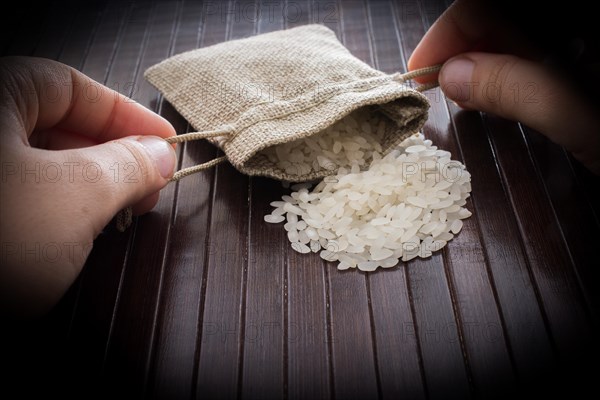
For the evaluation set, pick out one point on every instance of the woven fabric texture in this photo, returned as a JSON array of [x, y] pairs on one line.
[[279, 87]]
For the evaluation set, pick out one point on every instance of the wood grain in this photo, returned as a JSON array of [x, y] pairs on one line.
[[309, 361], [265, 329], [171, 373], [129, 345], [222, 347], [550, 260], [398, 354], [353, 352], [202, 299]]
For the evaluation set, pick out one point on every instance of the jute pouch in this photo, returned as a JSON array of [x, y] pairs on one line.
[[250, 94]]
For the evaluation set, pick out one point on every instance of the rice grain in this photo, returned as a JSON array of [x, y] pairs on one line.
[[370, 214]]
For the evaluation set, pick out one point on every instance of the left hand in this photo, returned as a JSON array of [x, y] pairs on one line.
[[73, 153]]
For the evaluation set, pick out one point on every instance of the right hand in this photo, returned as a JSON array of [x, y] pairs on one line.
[[513, 84]]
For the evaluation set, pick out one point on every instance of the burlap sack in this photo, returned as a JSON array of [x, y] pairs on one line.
[[278, 87]]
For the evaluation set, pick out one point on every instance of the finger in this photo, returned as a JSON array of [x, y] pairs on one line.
[[50, 94], [58, 139], [146, 204], [525, 91], [114, 175], [467, 25]]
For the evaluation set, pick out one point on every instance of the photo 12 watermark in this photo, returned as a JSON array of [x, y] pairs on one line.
[[69, 172], [89, 91], [25, 253]]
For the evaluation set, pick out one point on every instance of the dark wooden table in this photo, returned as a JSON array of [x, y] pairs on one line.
[[203, 299]]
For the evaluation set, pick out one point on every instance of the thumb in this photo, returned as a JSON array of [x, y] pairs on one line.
[[120, 173], [528, 92]]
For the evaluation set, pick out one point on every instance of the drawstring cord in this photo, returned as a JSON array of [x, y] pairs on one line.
[[407, 76], [125, 217], [196, 136]]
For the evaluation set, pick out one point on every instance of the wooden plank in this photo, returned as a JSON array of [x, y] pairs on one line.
[[193, 217], [270, 16], [101, 53], [171, 371], [82, 34], [100, 277], [394, 329], [523, 322], [327, 13], [353, 355], [437, 322], [222, 314], [130, 50], [222, 343], [548, 255], [308, 357], [437, 329], [388, 54], [297, 13], [533, 372], [130, 335], [564, 304], [481, 324], [354, 29], [399, 358], [354, 373], [429, 11], [265, 330], [573, 212], [309, 374], [522, 318], [216, 24], [475, 302]]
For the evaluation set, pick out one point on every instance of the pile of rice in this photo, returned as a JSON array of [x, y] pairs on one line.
[[407, 204]]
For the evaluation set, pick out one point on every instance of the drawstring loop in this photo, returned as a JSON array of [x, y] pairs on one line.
[[125, 217], [186, 137], [407, 76]]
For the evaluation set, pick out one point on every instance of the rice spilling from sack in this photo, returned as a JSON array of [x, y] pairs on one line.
[[354, 139], [407, 204]]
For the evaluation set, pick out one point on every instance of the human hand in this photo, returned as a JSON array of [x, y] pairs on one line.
[[492, 67], [73, 153]]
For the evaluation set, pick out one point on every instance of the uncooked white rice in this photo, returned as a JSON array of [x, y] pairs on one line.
[[350, 141], [407, 204]]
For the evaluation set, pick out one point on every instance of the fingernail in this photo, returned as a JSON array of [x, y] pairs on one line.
[[456, 78], [162, 153]]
